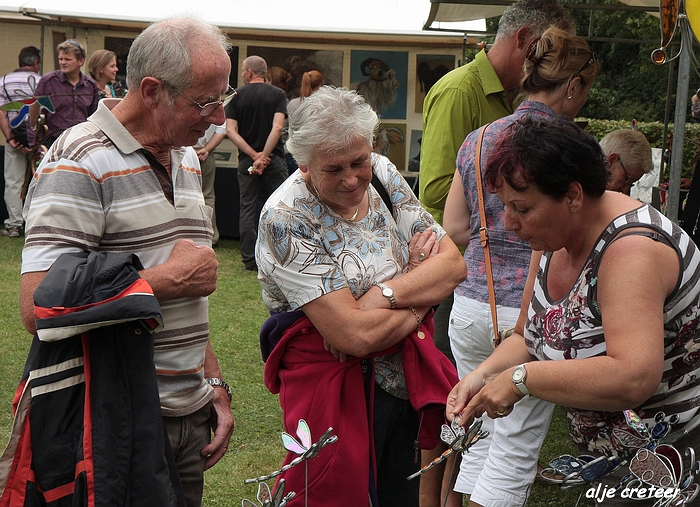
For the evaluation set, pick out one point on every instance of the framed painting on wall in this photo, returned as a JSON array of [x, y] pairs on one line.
[[429, 69], [381, 77], [391, 142], [298, 61]]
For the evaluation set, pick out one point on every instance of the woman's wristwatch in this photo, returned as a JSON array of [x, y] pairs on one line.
[[217, 382], [388, 293], [518, 377]]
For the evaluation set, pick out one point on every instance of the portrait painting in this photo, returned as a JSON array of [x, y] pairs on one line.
[[381, 77]]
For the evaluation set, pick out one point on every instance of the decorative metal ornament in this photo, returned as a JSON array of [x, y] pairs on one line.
[[659, 464], [458, 439], [674, 19], [303, 447], [22, 107], [267, 499]]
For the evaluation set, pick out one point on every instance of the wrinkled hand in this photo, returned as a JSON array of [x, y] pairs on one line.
[[340, 356], [424, 243], [193, 267], [222, 424]]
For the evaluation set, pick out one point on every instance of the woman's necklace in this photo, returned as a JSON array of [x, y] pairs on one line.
[[354, 215]]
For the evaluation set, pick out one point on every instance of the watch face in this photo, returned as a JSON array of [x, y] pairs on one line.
[[519, 374], [387, 292]]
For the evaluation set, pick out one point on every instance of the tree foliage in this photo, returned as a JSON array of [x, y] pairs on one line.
[[629, 85]]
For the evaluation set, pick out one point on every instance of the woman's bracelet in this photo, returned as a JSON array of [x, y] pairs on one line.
[[420, 333]]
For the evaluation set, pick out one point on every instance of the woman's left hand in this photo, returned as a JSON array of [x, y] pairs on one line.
[[474, 396], [422, 246], [340, 356], [499, 396]]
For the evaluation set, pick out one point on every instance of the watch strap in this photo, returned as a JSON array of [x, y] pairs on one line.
[[217, 382], [390, 296]]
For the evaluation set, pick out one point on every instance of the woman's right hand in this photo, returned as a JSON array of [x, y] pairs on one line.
[[422, 246]]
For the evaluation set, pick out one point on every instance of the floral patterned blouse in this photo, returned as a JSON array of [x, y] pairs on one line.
[[306, 250], [571, 328]]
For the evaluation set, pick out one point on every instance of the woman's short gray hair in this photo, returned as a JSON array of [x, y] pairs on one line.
[[164, 50], [328, 121]]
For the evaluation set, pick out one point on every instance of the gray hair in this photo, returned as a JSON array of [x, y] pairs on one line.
[[537, 15], [164, 50], [631, 146], [328, 121]]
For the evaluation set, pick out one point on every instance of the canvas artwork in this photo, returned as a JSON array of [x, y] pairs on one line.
[[381, 77], [429, 69], [391, 142], [414, 150], [298, 61]]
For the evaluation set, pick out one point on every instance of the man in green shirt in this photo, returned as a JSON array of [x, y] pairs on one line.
[[478, 93], [467, 98]]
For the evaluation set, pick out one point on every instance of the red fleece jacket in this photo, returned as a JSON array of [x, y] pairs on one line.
[[315, 386]]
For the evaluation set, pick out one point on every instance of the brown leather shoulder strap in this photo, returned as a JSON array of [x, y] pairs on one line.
[[484, 236]]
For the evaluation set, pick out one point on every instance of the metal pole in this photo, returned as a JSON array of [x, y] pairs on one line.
[[674, 186]]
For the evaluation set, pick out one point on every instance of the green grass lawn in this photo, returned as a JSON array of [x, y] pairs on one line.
[[236, 313]]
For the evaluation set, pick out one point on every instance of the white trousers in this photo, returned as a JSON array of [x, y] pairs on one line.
[[15, 167], [499, 470]]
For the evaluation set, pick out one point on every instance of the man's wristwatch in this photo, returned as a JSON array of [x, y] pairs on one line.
[[217, 382], [388, 293], [518, 377]]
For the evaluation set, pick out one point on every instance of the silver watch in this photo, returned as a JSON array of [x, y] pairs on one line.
[[518, 377], [388, 293], [217, 382]]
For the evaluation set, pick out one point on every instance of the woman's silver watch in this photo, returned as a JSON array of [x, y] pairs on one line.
[[217, 382], [388, 293], [518, 377]]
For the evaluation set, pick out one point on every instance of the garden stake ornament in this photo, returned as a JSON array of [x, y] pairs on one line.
[[304, 448]]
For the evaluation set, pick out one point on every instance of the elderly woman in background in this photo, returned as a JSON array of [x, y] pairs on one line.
[[557, 74], [611, 306], [103, 70], [351, 285], [633, 147]]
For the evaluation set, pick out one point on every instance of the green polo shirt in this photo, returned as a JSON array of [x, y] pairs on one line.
[[459, 103]]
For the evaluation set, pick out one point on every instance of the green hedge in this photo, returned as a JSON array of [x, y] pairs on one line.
[[654, 132]]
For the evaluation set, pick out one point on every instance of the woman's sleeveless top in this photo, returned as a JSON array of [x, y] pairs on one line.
[[571, 328]]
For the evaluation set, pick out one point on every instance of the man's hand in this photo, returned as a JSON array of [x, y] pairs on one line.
[[202, 154], [222, 424], [190, 271]]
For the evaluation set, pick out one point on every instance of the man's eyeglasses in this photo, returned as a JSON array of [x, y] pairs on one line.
[[210, 107], [628, 181]]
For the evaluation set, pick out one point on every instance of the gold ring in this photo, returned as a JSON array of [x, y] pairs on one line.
[[502, 414], [421, 256]]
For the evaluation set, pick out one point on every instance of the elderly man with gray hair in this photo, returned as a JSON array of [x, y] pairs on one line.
[[627, 157], [127, 180]]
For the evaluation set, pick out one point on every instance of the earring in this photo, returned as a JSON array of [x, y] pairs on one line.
[[570, 97]]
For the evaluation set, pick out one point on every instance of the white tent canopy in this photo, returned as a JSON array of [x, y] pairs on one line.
[[358, 16], [445, 12]]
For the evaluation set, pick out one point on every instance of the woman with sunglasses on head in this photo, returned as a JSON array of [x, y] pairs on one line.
[[558, 72]]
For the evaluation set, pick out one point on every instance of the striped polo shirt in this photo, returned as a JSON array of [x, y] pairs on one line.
[[95, 190]]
